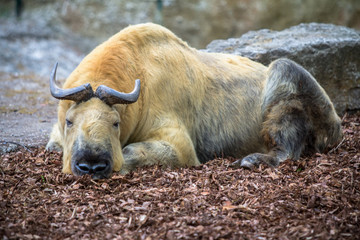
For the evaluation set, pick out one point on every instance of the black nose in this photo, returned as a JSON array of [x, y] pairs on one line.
[[92, 168], [94, 162]]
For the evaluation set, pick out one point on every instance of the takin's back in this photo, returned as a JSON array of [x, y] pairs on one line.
[[216, 97], [209, 95]]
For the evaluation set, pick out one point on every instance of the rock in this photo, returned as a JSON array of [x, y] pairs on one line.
[[331, 53]]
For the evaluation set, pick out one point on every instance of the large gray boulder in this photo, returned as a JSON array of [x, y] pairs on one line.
[[331, 53]]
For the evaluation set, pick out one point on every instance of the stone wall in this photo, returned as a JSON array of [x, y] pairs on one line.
[[88, 22], [330, 53]]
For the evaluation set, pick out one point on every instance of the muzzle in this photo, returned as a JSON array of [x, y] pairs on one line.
[[93, 160]]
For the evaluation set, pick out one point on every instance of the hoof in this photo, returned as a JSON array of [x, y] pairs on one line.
[[247, 164], [242, 163], [53, 146]]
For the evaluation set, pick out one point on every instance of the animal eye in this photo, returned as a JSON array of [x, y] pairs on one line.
[[116, 124], [69, 123]]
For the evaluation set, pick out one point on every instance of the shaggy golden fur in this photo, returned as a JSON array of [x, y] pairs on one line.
[[193, 106]]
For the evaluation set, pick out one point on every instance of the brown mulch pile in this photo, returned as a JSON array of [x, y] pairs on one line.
[[314, 198]]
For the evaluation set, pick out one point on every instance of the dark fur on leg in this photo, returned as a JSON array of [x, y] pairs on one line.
[[298, 116]]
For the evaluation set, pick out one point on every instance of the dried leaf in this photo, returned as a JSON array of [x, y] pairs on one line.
[[210, 201]]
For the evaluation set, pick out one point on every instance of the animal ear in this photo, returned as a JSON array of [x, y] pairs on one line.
[[77, 94], [111, 96]]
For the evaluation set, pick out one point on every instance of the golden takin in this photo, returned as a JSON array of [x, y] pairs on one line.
[[145, 97]]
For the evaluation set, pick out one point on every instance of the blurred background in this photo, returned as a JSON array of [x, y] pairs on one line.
[[31, 28], [34, 34], [89, 22]]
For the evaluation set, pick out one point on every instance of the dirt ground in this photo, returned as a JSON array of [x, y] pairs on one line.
[[315, 198], [27, 110]]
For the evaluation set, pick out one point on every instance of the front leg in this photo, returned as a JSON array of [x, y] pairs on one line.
[[169, 148], [148, 153], [55, 141]]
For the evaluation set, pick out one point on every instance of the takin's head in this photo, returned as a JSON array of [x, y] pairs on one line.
[[91, 132]]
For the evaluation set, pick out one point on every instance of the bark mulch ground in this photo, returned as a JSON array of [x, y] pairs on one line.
[[315, 198]]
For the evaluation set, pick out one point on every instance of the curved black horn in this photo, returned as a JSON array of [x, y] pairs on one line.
[[111, 96], [77, 94]]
